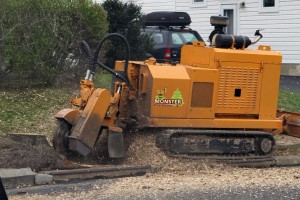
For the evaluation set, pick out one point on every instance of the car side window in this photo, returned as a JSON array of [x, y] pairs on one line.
[[176, 39], [189, 37], [157, 38]]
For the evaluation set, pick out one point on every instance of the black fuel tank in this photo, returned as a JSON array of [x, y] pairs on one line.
[[232, 41]]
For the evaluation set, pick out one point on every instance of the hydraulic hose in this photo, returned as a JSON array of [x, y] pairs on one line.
[[96, 55], [88, 50], [86, 47]]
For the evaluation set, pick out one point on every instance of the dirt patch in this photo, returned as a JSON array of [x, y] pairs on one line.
[[287, 145], [178, 175], [20, 154]]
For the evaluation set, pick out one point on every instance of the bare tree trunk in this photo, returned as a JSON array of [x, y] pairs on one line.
[[1, 42]]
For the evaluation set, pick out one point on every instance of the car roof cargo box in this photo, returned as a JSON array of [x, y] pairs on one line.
[[167, 19]]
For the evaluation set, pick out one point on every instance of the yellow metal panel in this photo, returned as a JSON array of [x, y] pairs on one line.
[[68, 114], [208, 57], [239, 88], [202, 76], [169, 72], [216, 123], [119, 65], [269, 92], [196, 56], [170, 91], [91, 118], [247, 56], [145, 92]]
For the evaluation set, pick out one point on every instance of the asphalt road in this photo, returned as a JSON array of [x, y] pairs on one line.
[[210, 193], [291, 83]]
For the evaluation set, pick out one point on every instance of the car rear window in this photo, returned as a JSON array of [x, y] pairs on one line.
[[157, 38], [180, 38]]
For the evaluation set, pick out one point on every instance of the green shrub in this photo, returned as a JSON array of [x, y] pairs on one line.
[[40, 39], [126, 19]]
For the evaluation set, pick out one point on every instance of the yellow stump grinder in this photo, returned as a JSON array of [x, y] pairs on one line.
[[218, 102]]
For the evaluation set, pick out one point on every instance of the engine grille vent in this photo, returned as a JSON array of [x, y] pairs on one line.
[[202, 94], [238, 89]]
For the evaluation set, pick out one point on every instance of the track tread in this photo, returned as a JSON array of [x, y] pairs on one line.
[[164, 142]]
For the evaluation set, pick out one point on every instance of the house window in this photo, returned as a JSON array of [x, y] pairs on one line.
[[198, 3], [269, 5]]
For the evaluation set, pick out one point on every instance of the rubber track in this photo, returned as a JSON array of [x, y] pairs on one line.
[[164, 138]]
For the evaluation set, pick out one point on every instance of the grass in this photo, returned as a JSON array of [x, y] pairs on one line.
[[289, 101], [33, 110], [103, 80]]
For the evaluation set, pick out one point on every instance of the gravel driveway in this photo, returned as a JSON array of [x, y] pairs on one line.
[[213, 183]]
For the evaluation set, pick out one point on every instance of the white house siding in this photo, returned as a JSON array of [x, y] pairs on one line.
[[156, 5], [281, 29], [200, 15], [152, 5]]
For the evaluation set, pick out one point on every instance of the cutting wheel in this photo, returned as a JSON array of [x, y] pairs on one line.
[[60, 137]]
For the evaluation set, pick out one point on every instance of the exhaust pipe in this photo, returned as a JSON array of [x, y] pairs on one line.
[[233, 41], [259, 37], [219, 39]]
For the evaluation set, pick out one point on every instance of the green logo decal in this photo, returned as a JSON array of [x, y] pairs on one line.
[[177, 95], [161, 100], [160, 94]]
